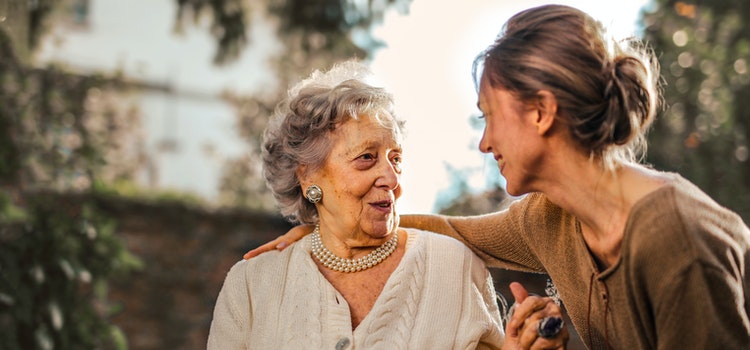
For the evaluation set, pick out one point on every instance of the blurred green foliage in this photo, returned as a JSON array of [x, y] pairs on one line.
[[55, 263], [704, 131], [322, 24], [56, 256]]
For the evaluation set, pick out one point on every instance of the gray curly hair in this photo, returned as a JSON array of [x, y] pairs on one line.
[[299, 133]]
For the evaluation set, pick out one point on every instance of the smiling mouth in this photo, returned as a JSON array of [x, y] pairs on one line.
[[383, 205], [500, 162]]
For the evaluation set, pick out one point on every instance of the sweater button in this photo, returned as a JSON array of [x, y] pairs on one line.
[[342, 344]]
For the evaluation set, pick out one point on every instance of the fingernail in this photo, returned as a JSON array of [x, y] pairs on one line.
[[281, 245]]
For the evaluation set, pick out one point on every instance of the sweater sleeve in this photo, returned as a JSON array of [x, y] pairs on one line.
[[702, 309], [231, 320], [689, 261], [705, 306], [500, 239]]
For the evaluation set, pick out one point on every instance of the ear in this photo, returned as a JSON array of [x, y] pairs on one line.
[[302, 176], [546, 112]]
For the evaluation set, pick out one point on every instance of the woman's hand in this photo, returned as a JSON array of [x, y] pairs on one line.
[[281, 242], [523, 330]]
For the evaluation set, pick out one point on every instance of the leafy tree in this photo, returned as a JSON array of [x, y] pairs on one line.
[[704, 131], [55, 264], [320, 24]]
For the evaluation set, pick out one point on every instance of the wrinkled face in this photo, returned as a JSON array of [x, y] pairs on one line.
[[360, 181], [510, 136]]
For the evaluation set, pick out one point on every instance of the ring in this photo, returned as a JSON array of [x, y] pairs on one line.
[[550, 327]]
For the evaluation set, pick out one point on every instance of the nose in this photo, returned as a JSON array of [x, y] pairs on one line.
[[484, 144], [390, 176]]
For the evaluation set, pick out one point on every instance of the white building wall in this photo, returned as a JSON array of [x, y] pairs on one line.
[[190, 130]]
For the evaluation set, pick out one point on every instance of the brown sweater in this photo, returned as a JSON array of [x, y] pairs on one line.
[[681, 281]]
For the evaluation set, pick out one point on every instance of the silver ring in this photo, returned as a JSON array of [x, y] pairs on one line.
[[550, 327]]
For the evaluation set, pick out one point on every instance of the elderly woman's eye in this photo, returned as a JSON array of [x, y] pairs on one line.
[[367, 156]]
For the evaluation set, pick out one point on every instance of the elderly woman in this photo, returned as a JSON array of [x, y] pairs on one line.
[[332, 158]]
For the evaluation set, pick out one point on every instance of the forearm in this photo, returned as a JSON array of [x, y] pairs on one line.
[[433, 223], [496, 237], [445, 225]]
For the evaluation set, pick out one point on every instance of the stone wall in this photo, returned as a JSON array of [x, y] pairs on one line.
[[186, 252]]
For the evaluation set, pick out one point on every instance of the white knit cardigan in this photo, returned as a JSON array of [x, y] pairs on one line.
[[440, 296]]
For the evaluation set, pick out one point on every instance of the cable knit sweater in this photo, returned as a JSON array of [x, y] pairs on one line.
[[681, 281], [440, 296]]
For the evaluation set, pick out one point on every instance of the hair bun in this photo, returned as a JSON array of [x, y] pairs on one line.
[[629, 98]]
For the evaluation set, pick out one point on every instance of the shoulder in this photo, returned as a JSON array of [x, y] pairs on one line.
[[686, 210], [545, 226], [538, 202], [272, 263], [680, 221], [539, 213], [696, 205]]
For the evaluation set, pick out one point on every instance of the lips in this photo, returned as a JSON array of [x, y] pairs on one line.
[[500, 162], [385, 206]]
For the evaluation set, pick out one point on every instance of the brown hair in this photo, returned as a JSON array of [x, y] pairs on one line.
[[606, 95]]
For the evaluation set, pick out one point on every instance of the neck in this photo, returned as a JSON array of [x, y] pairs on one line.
[[350, 241], [344, 264], [601, 200]]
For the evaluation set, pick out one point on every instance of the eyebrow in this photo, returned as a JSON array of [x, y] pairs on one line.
[[356, 147], [359, 147]]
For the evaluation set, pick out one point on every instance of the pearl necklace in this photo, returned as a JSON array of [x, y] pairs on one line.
[[339, 264]]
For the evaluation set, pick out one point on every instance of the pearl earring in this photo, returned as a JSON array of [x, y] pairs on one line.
[[313, 194]]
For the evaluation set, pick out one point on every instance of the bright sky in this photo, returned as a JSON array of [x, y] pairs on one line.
[[427, 66]]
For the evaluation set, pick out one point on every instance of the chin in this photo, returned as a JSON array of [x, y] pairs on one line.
[[515, 191], [512, 192], [381, 230]]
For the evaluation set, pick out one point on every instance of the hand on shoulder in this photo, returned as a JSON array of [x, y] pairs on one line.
[[281, 242]]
